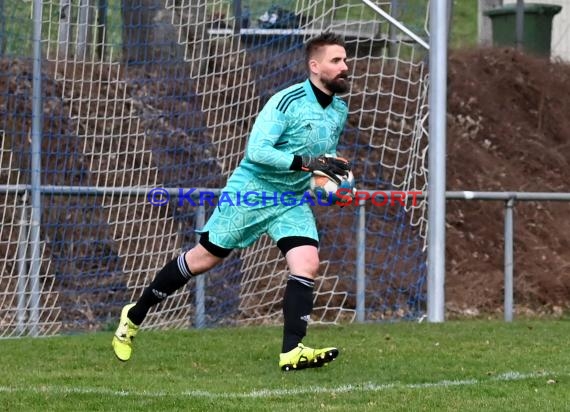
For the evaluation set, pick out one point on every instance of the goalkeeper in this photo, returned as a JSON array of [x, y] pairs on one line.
[[295, 134]]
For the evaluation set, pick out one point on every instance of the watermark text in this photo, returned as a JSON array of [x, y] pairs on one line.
[[342, 197]]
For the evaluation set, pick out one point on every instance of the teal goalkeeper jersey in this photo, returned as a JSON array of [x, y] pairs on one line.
[[291, 123]]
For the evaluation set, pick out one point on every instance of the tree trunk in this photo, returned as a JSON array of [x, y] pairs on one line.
[[485, 30], [63, 32], [2, 29], [84, 29], [101, 28], [138, 23]]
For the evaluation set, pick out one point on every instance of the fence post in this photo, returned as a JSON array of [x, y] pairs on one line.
[[200, 321], [509, 204], [36, 148], [22, 253], [361, 263]]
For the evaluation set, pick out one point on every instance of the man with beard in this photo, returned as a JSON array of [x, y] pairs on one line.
[[294, 135]]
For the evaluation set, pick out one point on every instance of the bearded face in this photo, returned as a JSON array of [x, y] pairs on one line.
[[338, 84], [330, 70]]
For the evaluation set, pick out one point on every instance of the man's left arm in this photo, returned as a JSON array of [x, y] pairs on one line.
[[342, 124]]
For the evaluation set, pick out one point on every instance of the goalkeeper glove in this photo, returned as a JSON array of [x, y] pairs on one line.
[[332, 167]]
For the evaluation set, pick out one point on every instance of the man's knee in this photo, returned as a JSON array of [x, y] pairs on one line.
[[310, 265], [303, 260], [200, 260]]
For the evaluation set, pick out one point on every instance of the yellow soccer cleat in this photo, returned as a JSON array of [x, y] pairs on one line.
[[303, 357], [123, 339]]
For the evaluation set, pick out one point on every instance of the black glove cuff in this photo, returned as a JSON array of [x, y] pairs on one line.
[[297, 163]]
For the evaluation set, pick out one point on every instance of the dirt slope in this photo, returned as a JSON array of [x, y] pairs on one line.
[[508, 130]]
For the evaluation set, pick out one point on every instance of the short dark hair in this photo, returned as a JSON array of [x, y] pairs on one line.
[[323, 39]]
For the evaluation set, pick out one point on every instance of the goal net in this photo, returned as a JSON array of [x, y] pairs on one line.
[[146, 94]]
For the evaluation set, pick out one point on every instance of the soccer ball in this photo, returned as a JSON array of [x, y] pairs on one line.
[[328, 190]]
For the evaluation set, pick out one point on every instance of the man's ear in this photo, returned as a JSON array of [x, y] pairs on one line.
[[314, 66]]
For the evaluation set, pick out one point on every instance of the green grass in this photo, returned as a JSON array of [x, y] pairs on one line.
[[453, 366]]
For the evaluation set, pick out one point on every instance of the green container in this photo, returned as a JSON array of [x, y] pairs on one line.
[[537, 33]]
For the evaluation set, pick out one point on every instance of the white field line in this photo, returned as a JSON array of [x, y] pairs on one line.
[[268, 393]]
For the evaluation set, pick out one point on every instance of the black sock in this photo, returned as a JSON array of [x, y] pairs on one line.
[[297, 306], [171, 277]]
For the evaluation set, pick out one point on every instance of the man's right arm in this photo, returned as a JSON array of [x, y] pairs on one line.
[[268, 127]]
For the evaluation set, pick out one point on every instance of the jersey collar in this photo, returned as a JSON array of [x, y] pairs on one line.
[[318, 95]]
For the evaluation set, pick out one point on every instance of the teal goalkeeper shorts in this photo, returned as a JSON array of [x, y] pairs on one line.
[[240, 218]]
